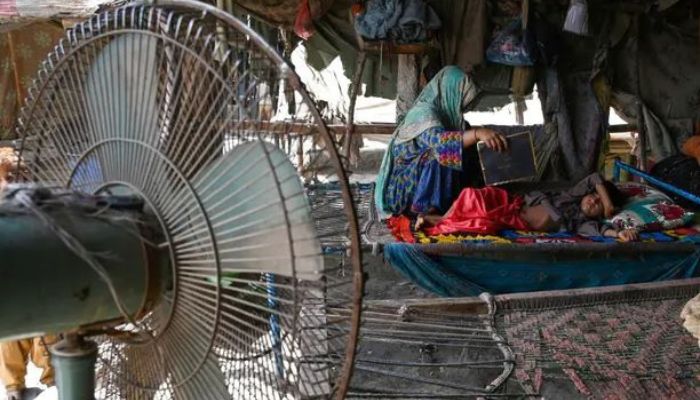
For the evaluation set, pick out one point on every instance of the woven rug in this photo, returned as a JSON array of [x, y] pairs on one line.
[[625, 342]]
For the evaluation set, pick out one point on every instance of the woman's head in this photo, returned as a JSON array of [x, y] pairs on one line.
[[592, 204], [444, 98], [454, 91]]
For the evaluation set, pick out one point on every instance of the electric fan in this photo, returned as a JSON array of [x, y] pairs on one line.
[[166, 226]]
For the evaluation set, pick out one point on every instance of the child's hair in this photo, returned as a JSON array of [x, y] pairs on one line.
[[616, 196]]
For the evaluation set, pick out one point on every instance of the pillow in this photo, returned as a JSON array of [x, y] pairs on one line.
[[648, 209]]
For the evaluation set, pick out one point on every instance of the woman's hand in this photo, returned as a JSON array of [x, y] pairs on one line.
[[492, 139], [628, 235]]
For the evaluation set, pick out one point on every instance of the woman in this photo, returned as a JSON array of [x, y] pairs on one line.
[[432, 156]]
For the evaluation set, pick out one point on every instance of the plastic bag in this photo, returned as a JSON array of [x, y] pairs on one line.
[[512, 46]]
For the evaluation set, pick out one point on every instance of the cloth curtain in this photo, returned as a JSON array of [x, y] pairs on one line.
[[464, 31], [669, 82], [658, 138]]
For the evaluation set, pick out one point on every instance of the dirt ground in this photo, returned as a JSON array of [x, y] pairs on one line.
[[385, 283]]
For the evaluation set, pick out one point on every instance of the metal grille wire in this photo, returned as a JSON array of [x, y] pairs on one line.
[[185, 106]]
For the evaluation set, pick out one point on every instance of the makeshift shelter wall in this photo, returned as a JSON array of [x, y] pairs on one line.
[[21, 53], [283, 12], [335, 36], [628, 51], [669, 70], [14, 14]]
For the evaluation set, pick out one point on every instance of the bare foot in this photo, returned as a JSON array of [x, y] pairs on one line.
[[423, 220], [420, 221], [432, 219]]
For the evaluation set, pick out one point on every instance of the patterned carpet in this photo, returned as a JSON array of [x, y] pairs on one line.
[[624, 350]]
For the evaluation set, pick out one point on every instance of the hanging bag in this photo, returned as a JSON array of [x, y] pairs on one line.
[[512, 46]]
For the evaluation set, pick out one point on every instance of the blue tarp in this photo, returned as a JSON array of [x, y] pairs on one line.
[[457, 276]]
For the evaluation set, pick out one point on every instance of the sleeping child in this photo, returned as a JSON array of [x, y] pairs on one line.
[[580, 209]]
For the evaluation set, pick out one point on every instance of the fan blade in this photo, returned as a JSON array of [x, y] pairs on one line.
[[125, 110], [259, 213], [209, 381], [125, 115]]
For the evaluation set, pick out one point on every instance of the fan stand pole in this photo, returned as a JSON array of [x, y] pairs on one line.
[[74, 360]]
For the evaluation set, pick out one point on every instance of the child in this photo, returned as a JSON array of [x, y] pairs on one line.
[[579, 209]]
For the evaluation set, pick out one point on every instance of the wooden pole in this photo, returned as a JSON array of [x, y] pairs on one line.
[[407, 86], [520, 110], [355, 86], [640, 106], [15, 70]]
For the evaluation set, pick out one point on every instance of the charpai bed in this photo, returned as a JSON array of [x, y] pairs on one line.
[[516, 261]]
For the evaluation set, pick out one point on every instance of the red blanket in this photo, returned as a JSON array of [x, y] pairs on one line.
[[484, 211]]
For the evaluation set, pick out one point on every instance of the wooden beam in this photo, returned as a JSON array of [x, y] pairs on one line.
[[388, 47], [23, 10], [622, 128], [572, 297], [451, 305], [304, 129], [373, 128]]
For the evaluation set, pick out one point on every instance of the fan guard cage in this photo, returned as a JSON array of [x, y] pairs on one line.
[[148, 100]]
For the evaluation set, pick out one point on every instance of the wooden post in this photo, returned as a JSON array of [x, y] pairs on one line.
[[15, 68], [355, 86], [407, 85], [520, 110], [641, 131]]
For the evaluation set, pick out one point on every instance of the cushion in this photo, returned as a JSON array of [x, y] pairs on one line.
[[648, 209]]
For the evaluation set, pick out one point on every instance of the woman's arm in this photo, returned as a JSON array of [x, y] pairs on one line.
[[493, 139]]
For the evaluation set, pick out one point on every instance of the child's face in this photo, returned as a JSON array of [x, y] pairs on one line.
[[591, 206]]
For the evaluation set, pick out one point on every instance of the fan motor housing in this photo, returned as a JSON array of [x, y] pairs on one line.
[[54, 290]]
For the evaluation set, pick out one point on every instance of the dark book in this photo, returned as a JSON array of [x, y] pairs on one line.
[[516, 164]]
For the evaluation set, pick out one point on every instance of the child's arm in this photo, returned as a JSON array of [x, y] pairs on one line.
[[626, 235], [586, 185], [608, 208]]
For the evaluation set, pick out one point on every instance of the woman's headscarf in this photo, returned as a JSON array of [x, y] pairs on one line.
[[440, 105]]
